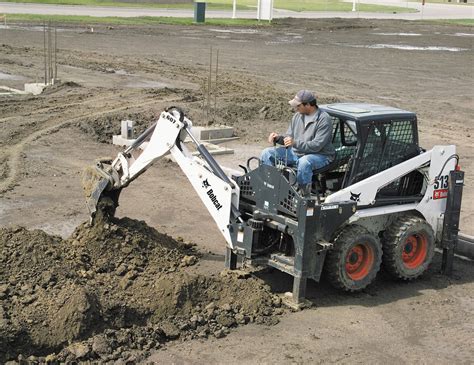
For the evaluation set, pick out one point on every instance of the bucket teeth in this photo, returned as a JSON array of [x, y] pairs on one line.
[[101, 198]]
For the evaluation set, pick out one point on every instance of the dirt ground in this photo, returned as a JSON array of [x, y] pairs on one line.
[[134, 72]]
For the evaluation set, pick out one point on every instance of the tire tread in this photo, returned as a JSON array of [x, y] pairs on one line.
[[392, 237], [334, 258]]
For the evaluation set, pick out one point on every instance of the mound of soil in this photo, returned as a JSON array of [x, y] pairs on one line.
[[102, 129], [113, 291]]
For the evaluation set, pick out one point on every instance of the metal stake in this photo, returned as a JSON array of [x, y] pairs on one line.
[[44, 52], [50, 55], [215, 84], [209, 84], [55, 53], [51, 52]]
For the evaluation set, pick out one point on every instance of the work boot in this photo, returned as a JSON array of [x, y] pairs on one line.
[[304, 190]]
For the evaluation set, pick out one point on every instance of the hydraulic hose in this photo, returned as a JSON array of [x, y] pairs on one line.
[[455, 156], [216, 169]]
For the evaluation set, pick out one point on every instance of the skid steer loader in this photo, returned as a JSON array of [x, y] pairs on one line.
[[383, 201]]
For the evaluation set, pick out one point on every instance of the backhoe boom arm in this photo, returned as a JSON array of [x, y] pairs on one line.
[[218, 193]]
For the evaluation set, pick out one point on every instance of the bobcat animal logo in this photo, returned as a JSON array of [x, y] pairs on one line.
[[205, 184], [355, 197]]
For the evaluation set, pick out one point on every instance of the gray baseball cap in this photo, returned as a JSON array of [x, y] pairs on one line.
[[303, 96]]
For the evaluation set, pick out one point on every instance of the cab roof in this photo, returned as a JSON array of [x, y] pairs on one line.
[[366, 112]]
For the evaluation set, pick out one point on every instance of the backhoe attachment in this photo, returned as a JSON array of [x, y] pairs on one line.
[[104, 181]]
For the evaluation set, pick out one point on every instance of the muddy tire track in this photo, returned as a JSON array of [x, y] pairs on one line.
[[36, 111], [12, 155]]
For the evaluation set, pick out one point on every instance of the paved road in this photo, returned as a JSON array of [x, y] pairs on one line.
[[428, 11]]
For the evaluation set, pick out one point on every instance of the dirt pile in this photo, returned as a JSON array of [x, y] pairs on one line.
[[114, 291], [102, 129]]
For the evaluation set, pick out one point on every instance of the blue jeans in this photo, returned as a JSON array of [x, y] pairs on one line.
[[304, 164]]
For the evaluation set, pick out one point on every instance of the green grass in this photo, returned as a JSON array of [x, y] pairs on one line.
[[295, 5], [169, 20], [326, 5], [466, 22], [145, 20], [441, 2], [212, 6]]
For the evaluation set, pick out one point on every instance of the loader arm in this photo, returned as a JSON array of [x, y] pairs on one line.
[[219, 194]]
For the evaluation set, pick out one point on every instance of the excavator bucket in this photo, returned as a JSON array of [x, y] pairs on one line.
[[101, 197]]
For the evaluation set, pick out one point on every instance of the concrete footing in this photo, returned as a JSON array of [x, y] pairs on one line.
[[5, 90], [35, 88], [209, 136], [212, 133], [127, 134]]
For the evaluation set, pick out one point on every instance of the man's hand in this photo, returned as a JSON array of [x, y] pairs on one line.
[[272, 137], [288, 141]]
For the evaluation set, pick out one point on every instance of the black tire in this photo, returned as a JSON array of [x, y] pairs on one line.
[[355, 260], [408, 247]]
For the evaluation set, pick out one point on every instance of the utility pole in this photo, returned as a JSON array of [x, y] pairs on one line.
[[234, 9], [353, 5]]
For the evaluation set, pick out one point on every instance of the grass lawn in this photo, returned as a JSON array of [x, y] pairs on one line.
[[145, 20], [467, 22], [214, 6], [442, 2], [316, 5], [295, 5], [170, 20]]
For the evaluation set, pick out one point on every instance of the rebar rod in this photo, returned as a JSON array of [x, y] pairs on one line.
[[44, 53], [215, 84], [50, 53], [55, 52], [209, 84]]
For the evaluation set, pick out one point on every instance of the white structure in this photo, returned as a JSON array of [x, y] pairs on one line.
[[265, 10]]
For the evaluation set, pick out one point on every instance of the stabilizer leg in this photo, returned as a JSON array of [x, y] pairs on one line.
[[230, 259], [296, 299], [451, 220], [299, 289]]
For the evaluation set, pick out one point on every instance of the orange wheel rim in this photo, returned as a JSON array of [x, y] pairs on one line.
[[359, 261], [414, 251]]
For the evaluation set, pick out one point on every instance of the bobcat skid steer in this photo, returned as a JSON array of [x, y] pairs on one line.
[[383, 201]]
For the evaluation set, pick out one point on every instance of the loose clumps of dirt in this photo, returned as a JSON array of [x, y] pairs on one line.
[[104, 127], [113, 291]]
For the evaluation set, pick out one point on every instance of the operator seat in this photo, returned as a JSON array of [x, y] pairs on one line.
[[319, 175]]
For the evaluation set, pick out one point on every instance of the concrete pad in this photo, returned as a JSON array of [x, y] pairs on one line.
[[35, 88], [212, 133], [213, 149], [5, 90], [216, 150], [120, 141]]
